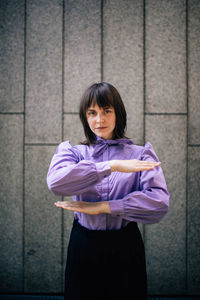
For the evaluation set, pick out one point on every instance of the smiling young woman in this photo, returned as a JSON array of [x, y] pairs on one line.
[[115, 184]]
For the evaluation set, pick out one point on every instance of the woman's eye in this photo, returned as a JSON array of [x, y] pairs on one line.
[[90, 113], [108, 111]]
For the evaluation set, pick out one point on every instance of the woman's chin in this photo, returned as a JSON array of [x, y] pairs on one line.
[[104, 137]]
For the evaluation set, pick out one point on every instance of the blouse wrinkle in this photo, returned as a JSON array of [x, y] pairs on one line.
[[133, 197]]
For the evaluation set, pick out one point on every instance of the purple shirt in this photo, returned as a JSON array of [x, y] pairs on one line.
[[84, 172]]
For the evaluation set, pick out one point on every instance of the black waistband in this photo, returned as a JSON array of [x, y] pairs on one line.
[[130, 227]]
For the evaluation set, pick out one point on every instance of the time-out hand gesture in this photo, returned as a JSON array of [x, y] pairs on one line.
[[132, 165]]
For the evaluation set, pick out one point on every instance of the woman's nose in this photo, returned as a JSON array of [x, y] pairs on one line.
[[100, 118]]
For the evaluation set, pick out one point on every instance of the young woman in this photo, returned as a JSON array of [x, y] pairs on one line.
[[114, 185]]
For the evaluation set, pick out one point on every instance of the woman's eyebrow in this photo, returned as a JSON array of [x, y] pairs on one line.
[[90, 109], [93, 109]]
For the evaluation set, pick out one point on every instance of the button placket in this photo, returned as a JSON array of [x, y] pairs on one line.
[[105, 180], [106, 184]]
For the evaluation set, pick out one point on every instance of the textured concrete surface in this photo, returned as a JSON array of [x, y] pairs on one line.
[[123, 58], [193, 240], [165, 56], [43, 246], [73, 129], [194, 71], [165, 241], [12, 55], [43, 71], [68, 218], [82, 49], [68, 45], [11, 198]]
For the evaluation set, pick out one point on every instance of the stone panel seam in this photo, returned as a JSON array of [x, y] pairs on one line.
[[11, 113], [63, 69], [102, 39], [62, 135], [40, 144], [187, 139], [144, 87], [165, 113], [144, 69], [193, 145], [24, 132]]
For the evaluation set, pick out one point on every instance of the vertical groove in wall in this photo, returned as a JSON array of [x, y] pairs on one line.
[[144, 84], [23, 151], [187, 140], [101, 40], [62, 136]]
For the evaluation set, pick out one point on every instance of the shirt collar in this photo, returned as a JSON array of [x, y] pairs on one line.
[[102, 144]]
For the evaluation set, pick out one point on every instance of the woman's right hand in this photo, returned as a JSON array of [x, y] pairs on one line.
[[132, 165]]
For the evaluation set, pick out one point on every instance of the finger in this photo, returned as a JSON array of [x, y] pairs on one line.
[[65, 206], [61, 204], [148, 164], [141, 162], [68, 205], [147, 167]]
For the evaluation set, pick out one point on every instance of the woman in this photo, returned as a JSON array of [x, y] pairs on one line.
[[114, 185]]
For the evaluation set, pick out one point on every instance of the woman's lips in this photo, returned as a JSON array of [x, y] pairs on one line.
[[101, 128]]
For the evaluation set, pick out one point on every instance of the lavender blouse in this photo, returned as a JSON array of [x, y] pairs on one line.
[[84, 172]]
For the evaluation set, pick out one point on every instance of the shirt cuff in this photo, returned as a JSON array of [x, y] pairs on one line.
[[103, 169], [116, 207]]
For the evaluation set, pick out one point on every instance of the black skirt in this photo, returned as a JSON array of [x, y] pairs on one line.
[[105, 265]]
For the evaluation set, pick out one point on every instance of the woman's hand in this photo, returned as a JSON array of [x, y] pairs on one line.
[[132, 165], [91, 208]]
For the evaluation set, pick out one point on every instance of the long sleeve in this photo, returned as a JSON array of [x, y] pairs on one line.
[[70, 174], [150, 203]]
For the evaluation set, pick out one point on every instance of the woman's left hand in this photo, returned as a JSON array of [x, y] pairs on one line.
[[91, 208]]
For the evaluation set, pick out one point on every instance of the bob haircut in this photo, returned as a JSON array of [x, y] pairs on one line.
[[104, 95]]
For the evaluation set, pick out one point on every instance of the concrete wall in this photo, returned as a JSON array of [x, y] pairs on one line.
[[51, 51]]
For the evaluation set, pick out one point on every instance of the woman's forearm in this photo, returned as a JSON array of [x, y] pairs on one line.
[[132, 165], [91, 208]]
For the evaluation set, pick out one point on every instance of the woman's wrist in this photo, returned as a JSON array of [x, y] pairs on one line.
[[113, 165], [105, 207]]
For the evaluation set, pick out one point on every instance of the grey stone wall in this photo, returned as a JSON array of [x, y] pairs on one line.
[[51, 51]]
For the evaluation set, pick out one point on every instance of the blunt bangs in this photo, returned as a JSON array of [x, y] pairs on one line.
[[100, 95]]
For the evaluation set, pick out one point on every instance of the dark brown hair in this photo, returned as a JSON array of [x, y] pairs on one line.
[[104, 95]]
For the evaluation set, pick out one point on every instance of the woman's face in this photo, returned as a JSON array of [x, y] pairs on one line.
[[101, 120]]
